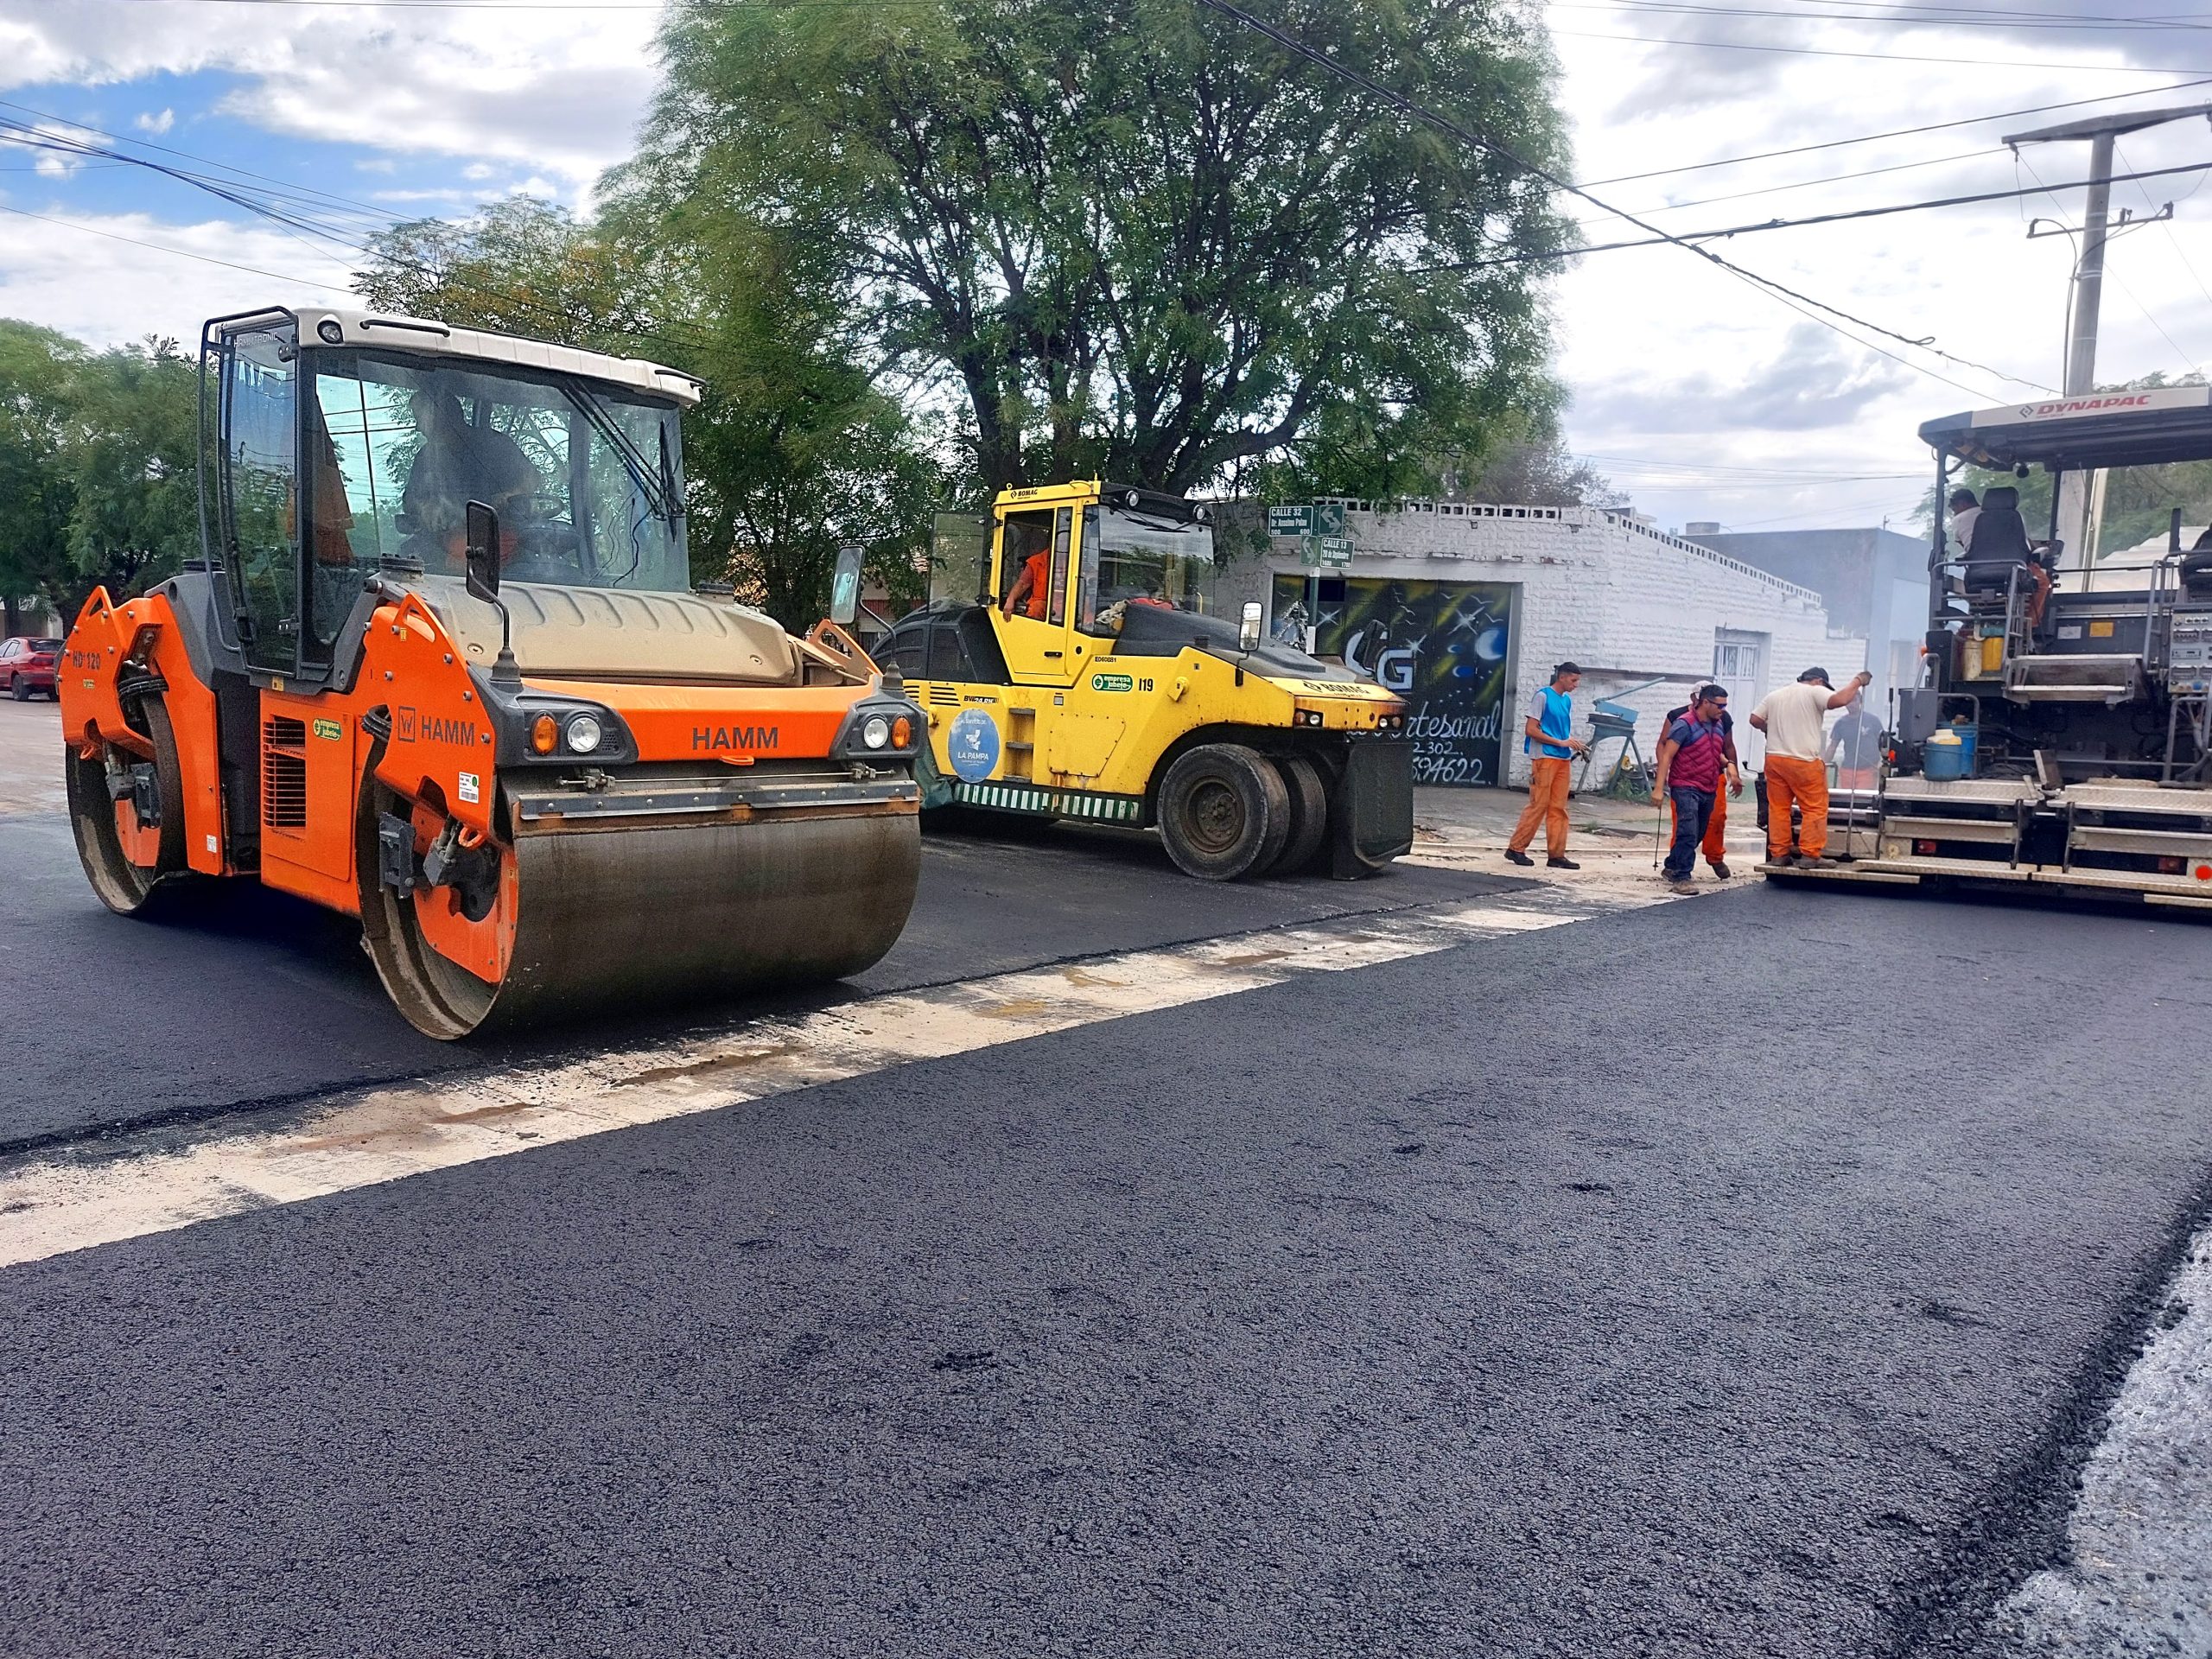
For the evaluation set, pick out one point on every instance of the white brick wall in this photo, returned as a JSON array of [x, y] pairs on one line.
[[1626, 602]]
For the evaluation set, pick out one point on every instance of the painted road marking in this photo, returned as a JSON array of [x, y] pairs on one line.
[[75, 1199]]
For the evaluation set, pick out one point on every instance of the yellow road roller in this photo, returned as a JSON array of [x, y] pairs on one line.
[[1091, 678]]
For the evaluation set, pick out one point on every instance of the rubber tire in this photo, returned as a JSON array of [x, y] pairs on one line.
[[128, 889], [1309, 813], [1223, 811], [17, 689]]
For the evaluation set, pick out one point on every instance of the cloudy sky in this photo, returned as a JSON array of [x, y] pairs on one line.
[[1702, 396]]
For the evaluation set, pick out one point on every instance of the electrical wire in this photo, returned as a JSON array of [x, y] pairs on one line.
[[2180, 253], [1688, 238], [1878, 57], [1826, 178], [1790, 297], [1896, 132], [1891, 18]]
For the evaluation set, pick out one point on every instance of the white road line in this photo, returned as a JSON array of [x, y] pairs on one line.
[[80, 1198]]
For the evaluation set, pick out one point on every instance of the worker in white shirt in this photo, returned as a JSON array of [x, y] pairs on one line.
[[1796, 774]]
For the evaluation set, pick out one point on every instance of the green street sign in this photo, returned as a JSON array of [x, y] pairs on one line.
[[1309, 553], [1329, 519], [1335, 550], [1289, 521]]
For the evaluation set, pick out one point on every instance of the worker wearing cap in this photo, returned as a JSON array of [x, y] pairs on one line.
[[1544, 739], [1715, 845], [1694, 760], [1793, 719]]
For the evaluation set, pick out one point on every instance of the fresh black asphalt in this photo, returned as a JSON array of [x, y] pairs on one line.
[[1728, 1278], [241, 994]]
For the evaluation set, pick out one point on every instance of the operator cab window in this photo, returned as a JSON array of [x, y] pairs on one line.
[[1033, 546], [586, 478], [1131, 558]]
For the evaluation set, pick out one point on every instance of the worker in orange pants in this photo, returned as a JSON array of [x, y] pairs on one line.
[[1790, 781], [1714, 848], [1549, 746], [1794, 719]]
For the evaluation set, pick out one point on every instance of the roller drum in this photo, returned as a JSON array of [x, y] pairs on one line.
[[608, 918]]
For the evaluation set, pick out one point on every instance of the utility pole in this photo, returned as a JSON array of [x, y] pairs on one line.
[[2075, 522]]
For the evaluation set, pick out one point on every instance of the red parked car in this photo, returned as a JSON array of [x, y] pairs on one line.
[[27, 665]]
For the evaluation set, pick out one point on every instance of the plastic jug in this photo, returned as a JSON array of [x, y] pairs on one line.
[[1949, 755]]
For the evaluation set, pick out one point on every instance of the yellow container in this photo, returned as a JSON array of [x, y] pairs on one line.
[[1992, 653]]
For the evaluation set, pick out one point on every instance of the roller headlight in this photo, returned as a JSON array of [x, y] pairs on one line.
[[875, 732], [584, 734]]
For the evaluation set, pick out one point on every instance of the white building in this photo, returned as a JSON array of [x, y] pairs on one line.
[[1465, 608]]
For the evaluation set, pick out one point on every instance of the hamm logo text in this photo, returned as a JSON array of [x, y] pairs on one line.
[[735, 737]]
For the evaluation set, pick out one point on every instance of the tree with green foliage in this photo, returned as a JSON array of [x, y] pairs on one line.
[[36, 365], [791, 454], [1135, 237], [97, 459], [132, 455]]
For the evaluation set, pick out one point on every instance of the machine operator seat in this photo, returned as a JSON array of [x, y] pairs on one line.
[[2000, 542], [2197, 567]]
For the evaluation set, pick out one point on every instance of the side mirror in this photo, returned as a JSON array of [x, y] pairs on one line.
[[482, 553], [1247, 630], [845, 587], [2173, 532]]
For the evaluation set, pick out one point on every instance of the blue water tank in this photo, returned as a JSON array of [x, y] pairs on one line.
[[1949, 755]]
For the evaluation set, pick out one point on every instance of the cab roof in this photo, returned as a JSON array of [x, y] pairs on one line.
[[2104, 429], [395, 332]]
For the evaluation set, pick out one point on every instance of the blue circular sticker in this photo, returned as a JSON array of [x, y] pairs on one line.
[[972, 746]]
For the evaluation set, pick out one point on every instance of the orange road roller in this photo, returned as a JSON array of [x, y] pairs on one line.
[[442, 667]]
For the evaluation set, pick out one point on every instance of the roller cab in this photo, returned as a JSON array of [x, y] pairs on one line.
[[440, 668], [1091, 676]]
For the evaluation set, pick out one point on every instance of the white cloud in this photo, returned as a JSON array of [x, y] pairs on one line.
[[157, 124], [79, 274], [1671, 360], [562, 97]]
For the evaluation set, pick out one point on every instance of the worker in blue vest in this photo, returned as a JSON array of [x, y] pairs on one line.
[[1547, 741]]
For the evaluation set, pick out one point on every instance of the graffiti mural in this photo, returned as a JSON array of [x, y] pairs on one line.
[[1441, 645]]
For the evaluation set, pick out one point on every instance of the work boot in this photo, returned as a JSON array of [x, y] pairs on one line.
[[1520, 858], [1680, 884], [1720, 870], [1561, 864]]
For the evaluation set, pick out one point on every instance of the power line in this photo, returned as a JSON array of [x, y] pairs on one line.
[[182, 253], [1898, 18], [1688, 238], [301, 193], [1826, 178], [296, 220], [1420, 112], [2180, 252], [1875, 57], [1895, 132]]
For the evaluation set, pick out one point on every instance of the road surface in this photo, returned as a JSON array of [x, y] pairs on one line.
[[1742, 1275]]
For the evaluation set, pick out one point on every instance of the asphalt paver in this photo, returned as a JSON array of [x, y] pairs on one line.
[[240, 995], [1677, 1282]]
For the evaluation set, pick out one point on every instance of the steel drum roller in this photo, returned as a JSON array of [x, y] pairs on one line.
[[666, 914]]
